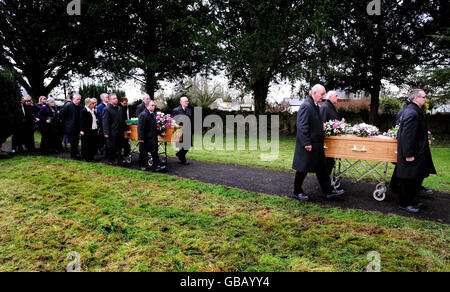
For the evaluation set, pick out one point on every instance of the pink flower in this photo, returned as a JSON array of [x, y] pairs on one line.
[[169, 119], [335, 126], [158, 118]]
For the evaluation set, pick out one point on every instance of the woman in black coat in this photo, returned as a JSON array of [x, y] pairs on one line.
[[88, 131], [48, 118]]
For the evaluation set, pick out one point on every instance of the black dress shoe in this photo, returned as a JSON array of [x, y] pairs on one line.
[[425, 193], [143, 168], [303, 197], [335, 194], [410, 209], [160, 169]]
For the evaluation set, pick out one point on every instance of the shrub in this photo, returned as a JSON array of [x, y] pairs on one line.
[[9, 103], [390, 106], [94, 91]]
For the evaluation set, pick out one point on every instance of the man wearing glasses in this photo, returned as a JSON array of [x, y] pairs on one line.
[[414, 156]]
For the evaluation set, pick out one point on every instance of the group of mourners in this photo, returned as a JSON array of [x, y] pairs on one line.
[[414, 156], [100, 127], [102, 130]]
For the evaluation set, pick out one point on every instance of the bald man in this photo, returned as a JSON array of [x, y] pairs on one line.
[[309, 151]]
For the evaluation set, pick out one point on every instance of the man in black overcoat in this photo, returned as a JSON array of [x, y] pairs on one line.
[[184, 110], [328, 112], [148, 138], [113, 129], [309, 150], [141, 108], [414, 155], [70, 116]]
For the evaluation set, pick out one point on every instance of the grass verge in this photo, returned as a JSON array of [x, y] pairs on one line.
[[127, 220]]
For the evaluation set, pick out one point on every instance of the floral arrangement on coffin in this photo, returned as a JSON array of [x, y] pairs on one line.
[[336, 128], [364, 130], [164, 122], [392, 133]]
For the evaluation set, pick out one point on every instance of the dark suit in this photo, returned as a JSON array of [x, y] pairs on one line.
[[148, 132], [140, 109], [49, 131], [328, 112], [101, 139], [125, 142], [184, 149], [71, 120], [114, 127], [413, 142], [90, 138], [24, 128], [310, 132], [395, 184]]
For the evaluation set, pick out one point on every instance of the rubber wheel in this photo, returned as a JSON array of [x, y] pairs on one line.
[[379, 195]]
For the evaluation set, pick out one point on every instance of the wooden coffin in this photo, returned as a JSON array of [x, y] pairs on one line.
[[357, 148], [134, 132], [171, 135]]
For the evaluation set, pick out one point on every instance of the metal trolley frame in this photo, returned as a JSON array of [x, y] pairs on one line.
[[360, 170]]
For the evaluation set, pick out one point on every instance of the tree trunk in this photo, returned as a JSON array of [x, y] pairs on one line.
[[150, 84], [260, 92], [375, 103]]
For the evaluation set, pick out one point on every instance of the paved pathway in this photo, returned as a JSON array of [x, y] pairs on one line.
[[280, 183]]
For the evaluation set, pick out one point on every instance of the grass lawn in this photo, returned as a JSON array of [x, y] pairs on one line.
[[441, 155], [127, 220]]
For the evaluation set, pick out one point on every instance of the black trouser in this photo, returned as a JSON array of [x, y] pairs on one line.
[[143, 156], [323, 178], [408, 190], [126, 147], [114, 144], [89, 145], [182, 154], [101, 145], [395, 183], [28, 138], [74, 140], [330, 162]]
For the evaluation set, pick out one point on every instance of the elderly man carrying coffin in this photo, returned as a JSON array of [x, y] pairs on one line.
[[309, 151], [328, 112], [148, 138]]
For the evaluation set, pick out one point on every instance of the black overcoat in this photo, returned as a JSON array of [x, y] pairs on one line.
[[328, 112], [413, 142], [147, 131], [70, 116], [113, 123], [179, 111], [309, 132]]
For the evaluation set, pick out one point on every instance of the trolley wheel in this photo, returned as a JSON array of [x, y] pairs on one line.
[[379, 195], [128, 160], [336, 183], [150, 161]]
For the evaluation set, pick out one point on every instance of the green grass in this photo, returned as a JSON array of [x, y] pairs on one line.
[[126, 220], [440, 152]]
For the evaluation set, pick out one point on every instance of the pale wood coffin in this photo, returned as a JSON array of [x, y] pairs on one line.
[[171, 135], [357, 148]]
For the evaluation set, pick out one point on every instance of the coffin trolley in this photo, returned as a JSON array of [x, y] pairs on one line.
[[362, 158], [170, 136]]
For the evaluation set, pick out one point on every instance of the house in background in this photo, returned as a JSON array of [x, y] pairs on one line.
[[358, 95], [292, 105]]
